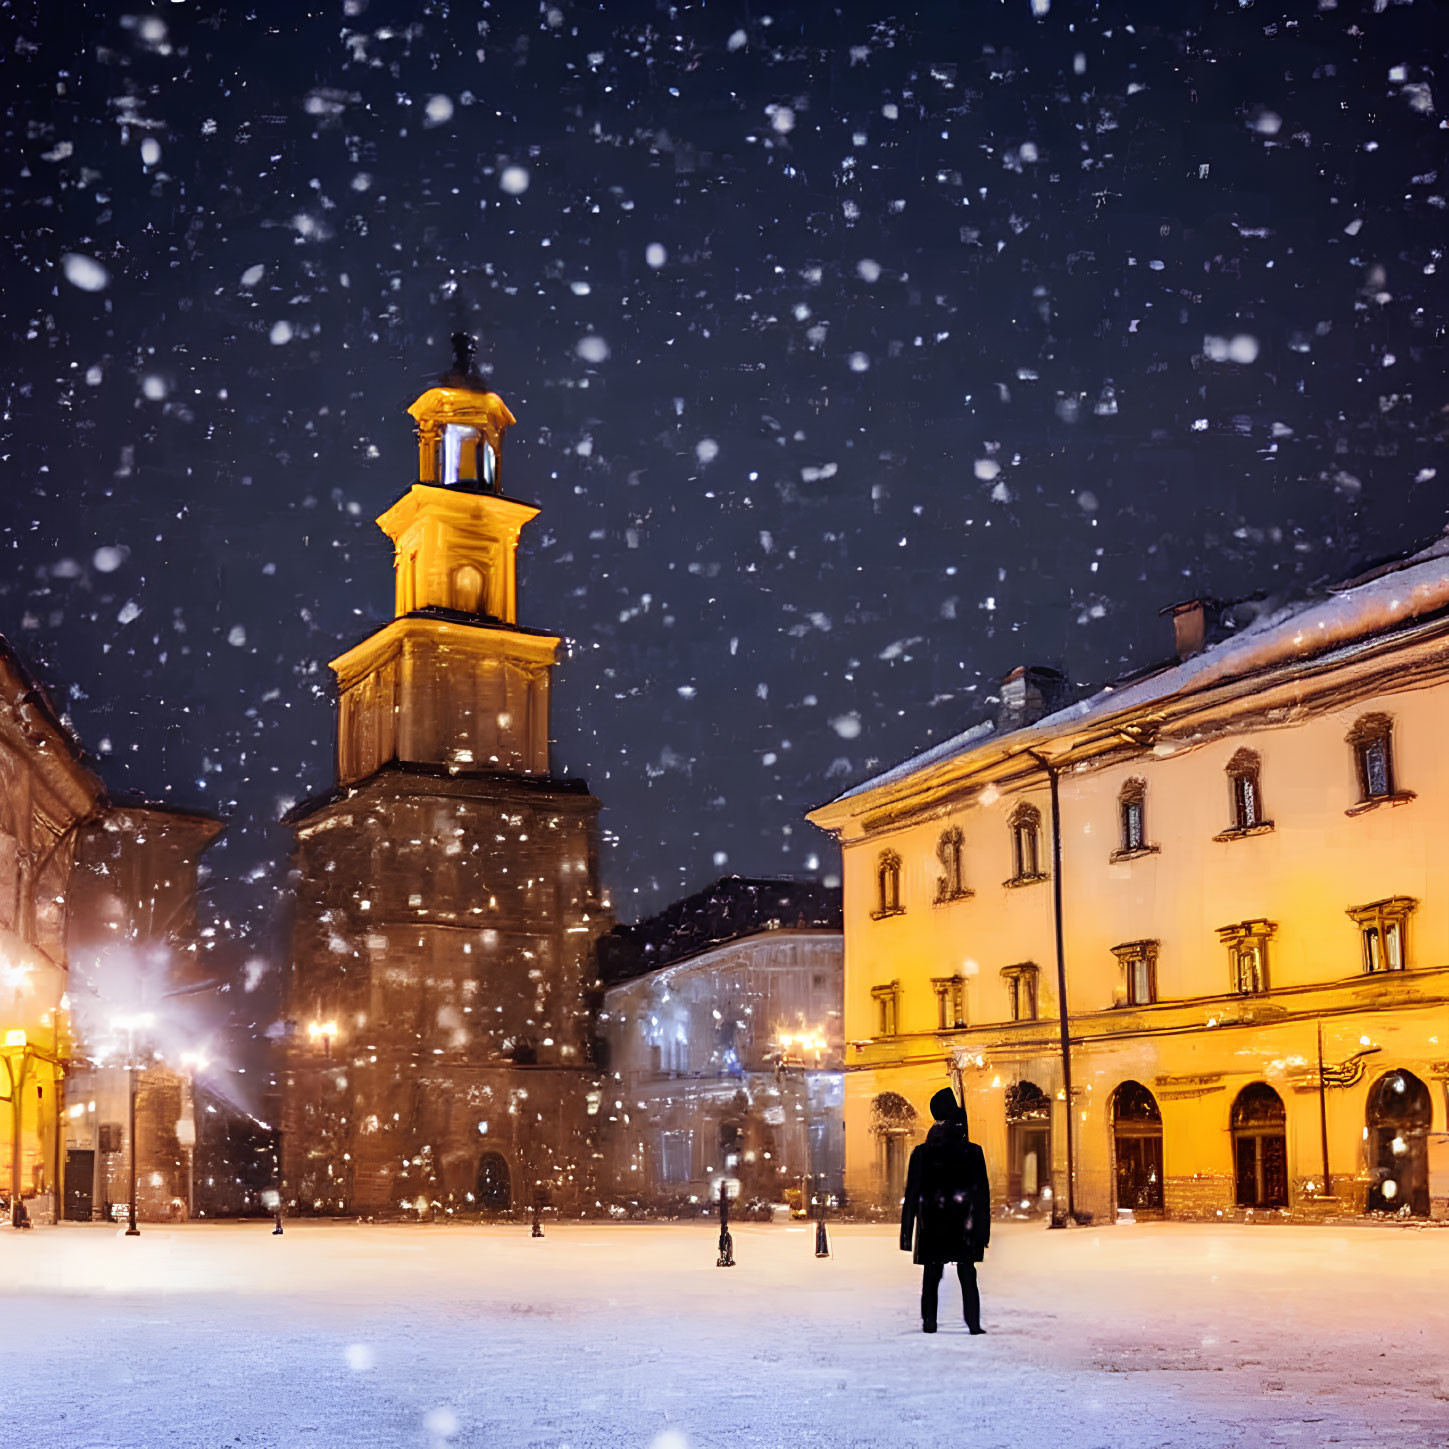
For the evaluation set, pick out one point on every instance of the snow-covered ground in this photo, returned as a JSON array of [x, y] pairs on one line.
[[349, 1336]]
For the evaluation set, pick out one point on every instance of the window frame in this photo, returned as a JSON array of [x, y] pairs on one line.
[[1245, 768], [950, 852], [1132, 821], [950, 1002], [1022, 989], [1025, 824], [1248, 940], [887, 1000], [1372, 732], [1139, 971], [1377, 919], [887, 899]]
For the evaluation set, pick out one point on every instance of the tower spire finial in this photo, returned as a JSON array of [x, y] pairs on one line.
[[463, 350]]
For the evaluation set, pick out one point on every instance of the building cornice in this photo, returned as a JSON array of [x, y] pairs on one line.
[[1280, 695], [527, 647]]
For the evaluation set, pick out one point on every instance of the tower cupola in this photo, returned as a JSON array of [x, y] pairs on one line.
[[460, 427]]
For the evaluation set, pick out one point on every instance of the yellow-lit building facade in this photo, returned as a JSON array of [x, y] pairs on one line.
[[46, 795], [1234, 867]]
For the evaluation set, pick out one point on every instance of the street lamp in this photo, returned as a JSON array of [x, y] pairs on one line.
[[129, 1025], [16, 1040], [323, 1031]]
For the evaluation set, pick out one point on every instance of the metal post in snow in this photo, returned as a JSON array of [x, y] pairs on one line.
[[726, 1257]]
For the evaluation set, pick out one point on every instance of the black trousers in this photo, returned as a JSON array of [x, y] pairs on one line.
[[970, 1294]]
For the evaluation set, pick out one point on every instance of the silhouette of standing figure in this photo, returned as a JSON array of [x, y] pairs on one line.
[[946, 1214]]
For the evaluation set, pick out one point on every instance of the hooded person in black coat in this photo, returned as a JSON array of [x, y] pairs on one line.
[[946, 1213]]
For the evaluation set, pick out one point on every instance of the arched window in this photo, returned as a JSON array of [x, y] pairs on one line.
[[1245, 791], [1400, 1114], [1137, 1140], [1371, 741], [1028, 1147], [1026, 843], [1132, 818], [468, 589], [888, 885], [950, 886], [1260, 1148]]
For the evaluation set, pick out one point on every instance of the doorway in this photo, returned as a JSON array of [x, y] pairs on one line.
[[80, 1171], [1260, 1148], [495, 1187], [1028, 1147], [1137, 1143], [1399, 1116]]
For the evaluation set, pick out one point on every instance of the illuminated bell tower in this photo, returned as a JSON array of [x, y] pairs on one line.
[[453, 679], [439, 1036]]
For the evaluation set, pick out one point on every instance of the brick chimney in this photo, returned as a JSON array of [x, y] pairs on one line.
[[1029, 693], [1189, 626]]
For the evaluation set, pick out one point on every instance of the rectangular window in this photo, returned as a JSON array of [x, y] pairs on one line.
[[1245, 794], [1132, 834], [887, 1008], [1376, 767], [1139, 971], [950, 1001], [1249, 969], [1139, 982], [676, 1151], [1247, 943], [1026, 862], [1383, 931], [1021, 991]]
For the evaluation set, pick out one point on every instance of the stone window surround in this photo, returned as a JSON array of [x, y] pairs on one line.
[[1131, 954], [1255, 934], [1380, 915]]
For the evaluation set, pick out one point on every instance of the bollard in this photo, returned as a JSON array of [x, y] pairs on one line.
[[726, 1257]]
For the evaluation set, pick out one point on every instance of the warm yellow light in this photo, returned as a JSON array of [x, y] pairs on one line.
[[15, 1037], [322, 1029], [802, 1041]]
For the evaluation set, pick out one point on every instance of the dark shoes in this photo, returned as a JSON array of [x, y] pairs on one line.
[[928, 1328], [975, 1329]]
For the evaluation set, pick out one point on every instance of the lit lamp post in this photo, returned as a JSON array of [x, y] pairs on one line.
[[323, 1031], [17, 1060], [129, 1025]]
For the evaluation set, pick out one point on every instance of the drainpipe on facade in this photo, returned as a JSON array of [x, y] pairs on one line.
[[1051, 774]]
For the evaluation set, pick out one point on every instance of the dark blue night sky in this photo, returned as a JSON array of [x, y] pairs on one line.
[[858, 355]]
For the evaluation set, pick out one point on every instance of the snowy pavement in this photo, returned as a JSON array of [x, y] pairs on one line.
[[339, 1337]]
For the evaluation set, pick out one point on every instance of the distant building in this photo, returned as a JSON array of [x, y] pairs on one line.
[[723, 1028], [447, 899], [1232, 863], [135, 974]]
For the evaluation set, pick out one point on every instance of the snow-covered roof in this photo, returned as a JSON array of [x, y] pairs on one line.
[[1365, 607]]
